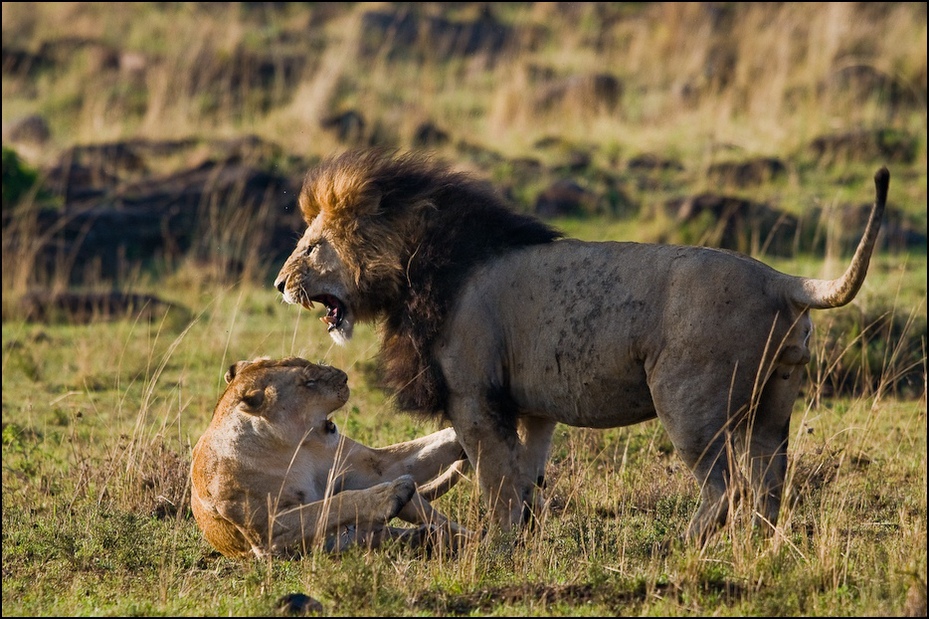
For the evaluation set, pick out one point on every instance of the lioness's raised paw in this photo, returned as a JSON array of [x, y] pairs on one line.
[[403, 488]]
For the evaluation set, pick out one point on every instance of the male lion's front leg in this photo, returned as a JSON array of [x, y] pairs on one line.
[[365, 511], [494, 451]]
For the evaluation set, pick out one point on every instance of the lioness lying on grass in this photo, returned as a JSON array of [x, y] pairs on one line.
[[272, 475]]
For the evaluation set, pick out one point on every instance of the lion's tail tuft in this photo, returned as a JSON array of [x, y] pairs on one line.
[[829, 293]]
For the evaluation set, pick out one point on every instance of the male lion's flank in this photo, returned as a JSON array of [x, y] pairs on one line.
[[491, 319]]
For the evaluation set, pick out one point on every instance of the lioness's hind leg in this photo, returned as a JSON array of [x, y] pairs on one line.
[[430, 537], [297, 529]]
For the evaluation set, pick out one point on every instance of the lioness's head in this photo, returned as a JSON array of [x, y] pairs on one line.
[[284, 398]]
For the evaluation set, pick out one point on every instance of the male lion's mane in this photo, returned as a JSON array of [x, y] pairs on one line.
[[411, 230]]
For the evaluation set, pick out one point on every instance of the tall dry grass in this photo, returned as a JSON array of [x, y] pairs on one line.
[[99, 419], [695, 78]]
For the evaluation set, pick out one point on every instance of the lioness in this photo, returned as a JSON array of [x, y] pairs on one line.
[[490, 318], [272, 475]]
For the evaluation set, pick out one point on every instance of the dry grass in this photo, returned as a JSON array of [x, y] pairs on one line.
[[99, 418], [693, 78]]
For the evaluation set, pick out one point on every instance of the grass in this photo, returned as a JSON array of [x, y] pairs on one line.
[[96, 444], [99, 419]]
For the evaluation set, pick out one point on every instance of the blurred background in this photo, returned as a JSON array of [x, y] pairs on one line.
[[145, 141]]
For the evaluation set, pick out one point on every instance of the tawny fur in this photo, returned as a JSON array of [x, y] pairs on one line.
[[271, 475], [491, 319]]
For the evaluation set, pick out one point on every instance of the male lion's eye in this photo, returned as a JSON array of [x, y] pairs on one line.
[[310, 383]]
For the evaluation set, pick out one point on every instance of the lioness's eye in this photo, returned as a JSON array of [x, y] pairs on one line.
[[254, 398], [309, 249]]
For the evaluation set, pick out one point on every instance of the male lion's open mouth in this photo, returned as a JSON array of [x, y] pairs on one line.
[[335, 310]]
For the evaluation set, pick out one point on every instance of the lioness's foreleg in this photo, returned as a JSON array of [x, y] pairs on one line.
[[435, 462], [443, 483], [424, 458], [298, 529]]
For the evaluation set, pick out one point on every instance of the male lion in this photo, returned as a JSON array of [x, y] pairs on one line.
[[488, 317], [272, 475]]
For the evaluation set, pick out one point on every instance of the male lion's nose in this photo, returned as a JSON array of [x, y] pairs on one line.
[[279, 284]]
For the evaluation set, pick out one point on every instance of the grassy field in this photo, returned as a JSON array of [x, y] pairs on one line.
[[99, 421], [99, 417]]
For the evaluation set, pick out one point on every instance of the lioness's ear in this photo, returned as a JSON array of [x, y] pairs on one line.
[[234, 369]]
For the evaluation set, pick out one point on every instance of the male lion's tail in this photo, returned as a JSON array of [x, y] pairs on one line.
[[828, 293]]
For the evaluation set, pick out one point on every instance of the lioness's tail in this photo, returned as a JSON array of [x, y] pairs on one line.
[[827, 293]]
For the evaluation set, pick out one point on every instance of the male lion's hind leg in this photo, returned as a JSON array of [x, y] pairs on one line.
[[768, 438], [765, 433], [696, 420], [536, 436], [712, 472]]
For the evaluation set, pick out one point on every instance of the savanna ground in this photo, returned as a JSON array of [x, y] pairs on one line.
[[609, 118]]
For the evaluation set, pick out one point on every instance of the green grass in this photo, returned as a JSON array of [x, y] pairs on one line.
[[99, 420]]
